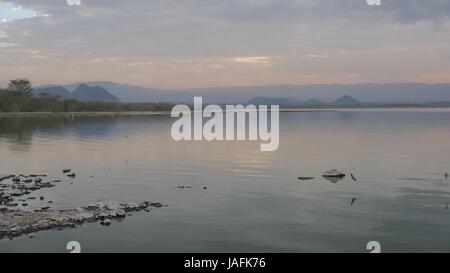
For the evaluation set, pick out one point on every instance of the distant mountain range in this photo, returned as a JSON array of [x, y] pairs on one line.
[[306, 95], [274, 101], [82, 93], [286, 102]]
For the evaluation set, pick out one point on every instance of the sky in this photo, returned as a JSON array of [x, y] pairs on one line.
[[178, 44]]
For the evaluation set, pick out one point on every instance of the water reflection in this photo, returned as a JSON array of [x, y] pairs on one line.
[[20, 130]]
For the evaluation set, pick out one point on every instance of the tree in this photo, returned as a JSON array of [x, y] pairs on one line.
[[21, 86]]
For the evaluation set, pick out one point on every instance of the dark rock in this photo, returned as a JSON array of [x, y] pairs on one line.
[[156, 205], [305, 178], [334, 174]]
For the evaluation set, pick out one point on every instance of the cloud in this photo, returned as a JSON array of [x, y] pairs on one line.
[[253, 60], [168, 37]]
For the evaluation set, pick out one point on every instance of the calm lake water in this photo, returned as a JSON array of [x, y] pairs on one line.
[[254, 201]]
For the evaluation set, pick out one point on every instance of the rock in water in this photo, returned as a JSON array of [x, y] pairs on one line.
[[334, 174], [120, 213], [446, 176], [353, 177], [67, 170], [305, 178], [106, 222]]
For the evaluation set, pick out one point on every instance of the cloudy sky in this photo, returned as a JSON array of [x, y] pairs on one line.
[[176, 44]]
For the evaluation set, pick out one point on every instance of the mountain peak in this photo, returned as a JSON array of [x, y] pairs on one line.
[[86, 93], [346, 101]]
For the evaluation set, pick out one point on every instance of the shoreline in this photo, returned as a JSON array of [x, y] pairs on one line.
[[23, 212], [82, 114], [168, 113], [16, 223]]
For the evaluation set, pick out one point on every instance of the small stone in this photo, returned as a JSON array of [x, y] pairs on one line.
[[120, 213], [156, 205], [106, 222]]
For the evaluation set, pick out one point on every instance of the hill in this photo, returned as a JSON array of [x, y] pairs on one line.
[[346, 101], [54, 91], [274, 101], [96, 93]]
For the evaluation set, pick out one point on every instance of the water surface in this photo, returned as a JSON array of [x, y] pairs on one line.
[[253, 201]]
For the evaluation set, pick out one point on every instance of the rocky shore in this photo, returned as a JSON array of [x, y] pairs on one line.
[[18, 217], [17, 223]]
